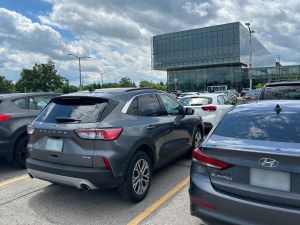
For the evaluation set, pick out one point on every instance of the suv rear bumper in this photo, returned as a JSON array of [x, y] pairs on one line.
[[72, 175]]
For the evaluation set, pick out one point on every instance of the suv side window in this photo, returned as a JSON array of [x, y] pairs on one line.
[[227, 100], [42, 101], [220, 100], [32, 105], [172, 107], [133, 108], [20, 102], [148, 105]]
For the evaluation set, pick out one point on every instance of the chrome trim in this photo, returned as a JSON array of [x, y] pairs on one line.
[[71, 181]]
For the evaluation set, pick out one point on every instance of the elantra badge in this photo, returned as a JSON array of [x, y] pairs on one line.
[[267, 162]]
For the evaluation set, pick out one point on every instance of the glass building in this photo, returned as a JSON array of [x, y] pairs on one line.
[[212, 56]]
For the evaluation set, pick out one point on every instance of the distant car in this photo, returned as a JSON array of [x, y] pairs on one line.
[[16, 112], [281, 90], [252, 95], [187, 94], [209, 106], [110, 138], [247, 171]]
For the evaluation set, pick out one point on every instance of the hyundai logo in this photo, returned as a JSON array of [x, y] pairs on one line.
[[267, 162]]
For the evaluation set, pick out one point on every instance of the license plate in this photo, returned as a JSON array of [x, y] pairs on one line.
[[270, 179], [54, 144]]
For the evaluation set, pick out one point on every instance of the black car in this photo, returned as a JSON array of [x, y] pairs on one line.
[[16, 112], [110, 138], [288, 90]]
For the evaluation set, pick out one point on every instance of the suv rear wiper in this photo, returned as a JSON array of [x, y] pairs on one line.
[[66, 119]]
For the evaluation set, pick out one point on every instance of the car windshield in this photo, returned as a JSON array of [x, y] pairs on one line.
[[282, 127], [195, 101], [282, 92]]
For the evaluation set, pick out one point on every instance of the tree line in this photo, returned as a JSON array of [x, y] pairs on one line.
[[45, 78]]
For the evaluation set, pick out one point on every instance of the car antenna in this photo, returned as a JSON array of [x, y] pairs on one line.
[[278, 109]]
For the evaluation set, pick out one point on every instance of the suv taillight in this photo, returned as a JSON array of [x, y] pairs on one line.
[[4, 117], [107, 134], [209, 108], [209, 161], [30, 129]]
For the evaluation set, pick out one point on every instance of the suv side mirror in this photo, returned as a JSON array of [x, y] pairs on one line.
[[189, 111]]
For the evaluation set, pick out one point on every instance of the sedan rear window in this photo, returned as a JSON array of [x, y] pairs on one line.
[[283, 127], [282, 92], [79, 110], [195, 101]]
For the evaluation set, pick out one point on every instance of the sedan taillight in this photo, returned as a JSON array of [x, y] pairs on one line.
[[30, 129], [107, 134], [209, 161], [209, 108], [4, 117]]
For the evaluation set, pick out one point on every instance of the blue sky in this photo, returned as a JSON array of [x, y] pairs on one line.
[[116, 33]]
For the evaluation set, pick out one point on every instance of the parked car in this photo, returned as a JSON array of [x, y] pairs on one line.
[[209, 107], [281, 90], [16, 112], [110, 138], [247, 170], [252, 95], [184, 94]]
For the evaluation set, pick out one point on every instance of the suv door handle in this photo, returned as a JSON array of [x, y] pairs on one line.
[[177, 123], [150, 127]]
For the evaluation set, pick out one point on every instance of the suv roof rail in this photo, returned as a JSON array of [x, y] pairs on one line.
[[138, 89]]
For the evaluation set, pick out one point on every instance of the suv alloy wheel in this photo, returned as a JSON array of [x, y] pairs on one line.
[[137, 181]]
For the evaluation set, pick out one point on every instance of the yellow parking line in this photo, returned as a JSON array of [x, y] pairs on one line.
[[139, 218], [13, 180]]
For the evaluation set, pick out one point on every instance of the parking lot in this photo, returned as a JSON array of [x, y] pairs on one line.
[[31, 201]]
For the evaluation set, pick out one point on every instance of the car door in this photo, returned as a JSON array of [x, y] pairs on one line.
[[158, 127], [181, 135]]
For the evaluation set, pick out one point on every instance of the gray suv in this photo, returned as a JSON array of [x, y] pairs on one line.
[[16, 112], [110, 138]]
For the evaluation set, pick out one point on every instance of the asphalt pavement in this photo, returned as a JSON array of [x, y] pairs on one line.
[[32, 201]]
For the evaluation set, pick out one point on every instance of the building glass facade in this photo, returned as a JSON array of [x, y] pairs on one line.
[[212, 56]]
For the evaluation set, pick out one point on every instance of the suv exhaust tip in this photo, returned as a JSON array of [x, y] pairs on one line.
[[85, 187]]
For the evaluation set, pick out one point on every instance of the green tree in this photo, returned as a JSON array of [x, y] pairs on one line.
[[67, 88], [6, 86], [111, 85], [145, 83], [160, 85], [42, 77], [126, 82]]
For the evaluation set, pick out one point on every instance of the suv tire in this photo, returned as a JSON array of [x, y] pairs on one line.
[[138, 179], [20, 152]]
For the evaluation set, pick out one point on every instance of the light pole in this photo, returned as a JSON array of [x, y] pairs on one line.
[[79, 59], [277, 63], [101, 73], [250, 54]]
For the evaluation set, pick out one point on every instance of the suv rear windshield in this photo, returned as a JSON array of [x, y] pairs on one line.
[[79, 110], [195, 101], [282, 92], [283, 127]]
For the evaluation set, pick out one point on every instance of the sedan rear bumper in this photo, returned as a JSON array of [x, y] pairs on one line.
[[75, 176], [209, 204]]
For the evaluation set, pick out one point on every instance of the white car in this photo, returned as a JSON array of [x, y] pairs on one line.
[[210, 106], [184, 94]]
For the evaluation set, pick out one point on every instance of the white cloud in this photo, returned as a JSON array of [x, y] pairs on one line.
[[116, 34]]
